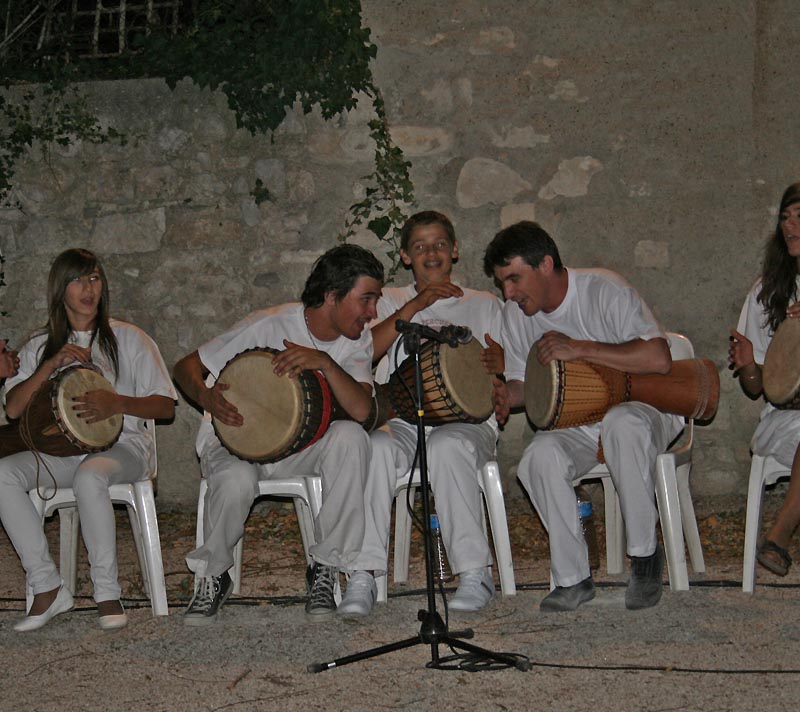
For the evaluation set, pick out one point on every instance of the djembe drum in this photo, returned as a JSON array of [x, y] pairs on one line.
[[781, 375], [282, 416], [456, 386], [564, 394], [50, 424]]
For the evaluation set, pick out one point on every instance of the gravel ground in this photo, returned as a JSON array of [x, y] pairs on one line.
[[710, 648]]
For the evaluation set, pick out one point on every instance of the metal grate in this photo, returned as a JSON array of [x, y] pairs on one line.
[[88, 28]]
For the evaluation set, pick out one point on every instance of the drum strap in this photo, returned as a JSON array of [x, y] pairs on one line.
[[27, 438]]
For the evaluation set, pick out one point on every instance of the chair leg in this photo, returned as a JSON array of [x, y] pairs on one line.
[[615, 529], [151, 546], [68, 525], [133, 516], [755, 496], [690, 530], [402, 537], [669, 510], [495, 506]]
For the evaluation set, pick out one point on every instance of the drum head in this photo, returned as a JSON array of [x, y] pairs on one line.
[[541, 391], [77, 381], [272, 407], [465, 379], [781, 372]]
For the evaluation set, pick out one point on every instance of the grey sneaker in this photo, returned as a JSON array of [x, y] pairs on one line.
[[568, 598], [209, 595], [359, 596], [645, 587], [320, 581], [474, 592]]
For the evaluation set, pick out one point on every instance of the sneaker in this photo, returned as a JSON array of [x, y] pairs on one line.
[[644, 588], [321, 580], [475, 590], [568, 598], [359, 596], [209, 595]]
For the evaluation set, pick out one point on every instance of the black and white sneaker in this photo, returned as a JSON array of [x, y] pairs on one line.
[[209, 595], [320, 581]]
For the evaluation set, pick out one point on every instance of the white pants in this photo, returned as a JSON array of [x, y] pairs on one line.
[[340, 457], [778, 434], [89, 476], [633, 435], [455, 453]]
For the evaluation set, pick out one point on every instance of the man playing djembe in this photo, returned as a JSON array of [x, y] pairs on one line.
[[592, 315], [328, 333]]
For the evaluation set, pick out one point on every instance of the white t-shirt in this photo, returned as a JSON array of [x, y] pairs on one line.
[[268, 328], [478, 311], [600, 305], [142, 373]]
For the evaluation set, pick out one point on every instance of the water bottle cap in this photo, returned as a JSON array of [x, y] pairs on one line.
[[434, 521], [585, 509]]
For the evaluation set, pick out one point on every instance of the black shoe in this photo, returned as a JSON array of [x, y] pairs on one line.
[[568, 598], [320, 582], [644, 588], [209, 595]]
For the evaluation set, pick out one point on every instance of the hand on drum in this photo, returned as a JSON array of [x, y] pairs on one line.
[[215, 403], [9, 361], [555, 345], [740, 352], [69, 353], [493, 357], [793, 311], [500, 400], [298, 358], [94, 406]]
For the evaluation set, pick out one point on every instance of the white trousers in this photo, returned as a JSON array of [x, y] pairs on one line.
[[89, 476], [633, 435], [455, 452], [340, 457]]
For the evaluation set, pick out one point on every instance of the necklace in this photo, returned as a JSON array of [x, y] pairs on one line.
[[308, 329]]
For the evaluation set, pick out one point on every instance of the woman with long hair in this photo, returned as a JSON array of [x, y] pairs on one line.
[[772, 299], [80, 331]]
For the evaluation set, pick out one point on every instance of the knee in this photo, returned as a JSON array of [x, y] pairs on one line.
[[542, 458], [349, 435], [621, 421], [233, 484]]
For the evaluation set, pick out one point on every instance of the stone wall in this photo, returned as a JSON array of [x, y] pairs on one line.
[[651, 138]]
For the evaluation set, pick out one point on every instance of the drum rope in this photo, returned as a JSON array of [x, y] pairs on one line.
[[27, 437]]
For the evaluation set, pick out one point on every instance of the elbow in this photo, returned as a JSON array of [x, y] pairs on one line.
[[12, 412], [663, 362]]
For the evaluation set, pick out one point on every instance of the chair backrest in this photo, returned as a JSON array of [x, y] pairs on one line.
[[679, 346]]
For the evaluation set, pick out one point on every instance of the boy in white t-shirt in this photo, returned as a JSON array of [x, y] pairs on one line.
[[328, 333], [455, 451], [591, 315]]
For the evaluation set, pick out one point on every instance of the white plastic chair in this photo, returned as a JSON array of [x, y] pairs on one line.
[[763, 471], [307, 495], [492, 490], [673, 496], [140, 502]]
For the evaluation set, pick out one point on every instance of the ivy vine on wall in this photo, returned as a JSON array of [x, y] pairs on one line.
[[264, 55]]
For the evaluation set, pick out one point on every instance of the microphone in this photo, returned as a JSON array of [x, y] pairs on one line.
[[450, 335]]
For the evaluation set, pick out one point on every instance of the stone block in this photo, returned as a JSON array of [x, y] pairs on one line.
[[519, 137], [572, 178], [422, 141], [483, 181], [272, 173], [126, 233], [199, 229]]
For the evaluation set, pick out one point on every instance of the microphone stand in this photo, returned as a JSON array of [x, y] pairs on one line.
[[433, 630]]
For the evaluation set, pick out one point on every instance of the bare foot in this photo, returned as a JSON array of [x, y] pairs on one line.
[[43, 601]]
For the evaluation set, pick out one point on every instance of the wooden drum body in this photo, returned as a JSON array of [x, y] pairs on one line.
[[781, 375], [50, 425], [564, 394], [281, 415], [456, 386]]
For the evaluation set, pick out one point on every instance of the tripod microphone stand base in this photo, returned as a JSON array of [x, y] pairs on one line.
[[433, 632]]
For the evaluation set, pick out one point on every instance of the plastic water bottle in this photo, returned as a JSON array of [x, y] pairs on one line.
[[441, 568], [586, 513]]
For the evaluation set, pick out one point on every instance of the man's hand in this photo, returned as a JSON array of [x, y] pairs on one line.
[[213, 401], [298, 358], [493, 357], [434, 292], [500, 400], [555, 345]]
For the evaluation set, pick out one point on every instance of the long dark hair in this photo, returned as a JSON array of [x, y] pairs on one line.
[[72, 263], [779, 272]]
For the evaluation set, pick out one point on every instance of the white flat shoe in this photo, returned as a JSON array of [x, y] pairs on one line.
[[113, 622], [62, 603]]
